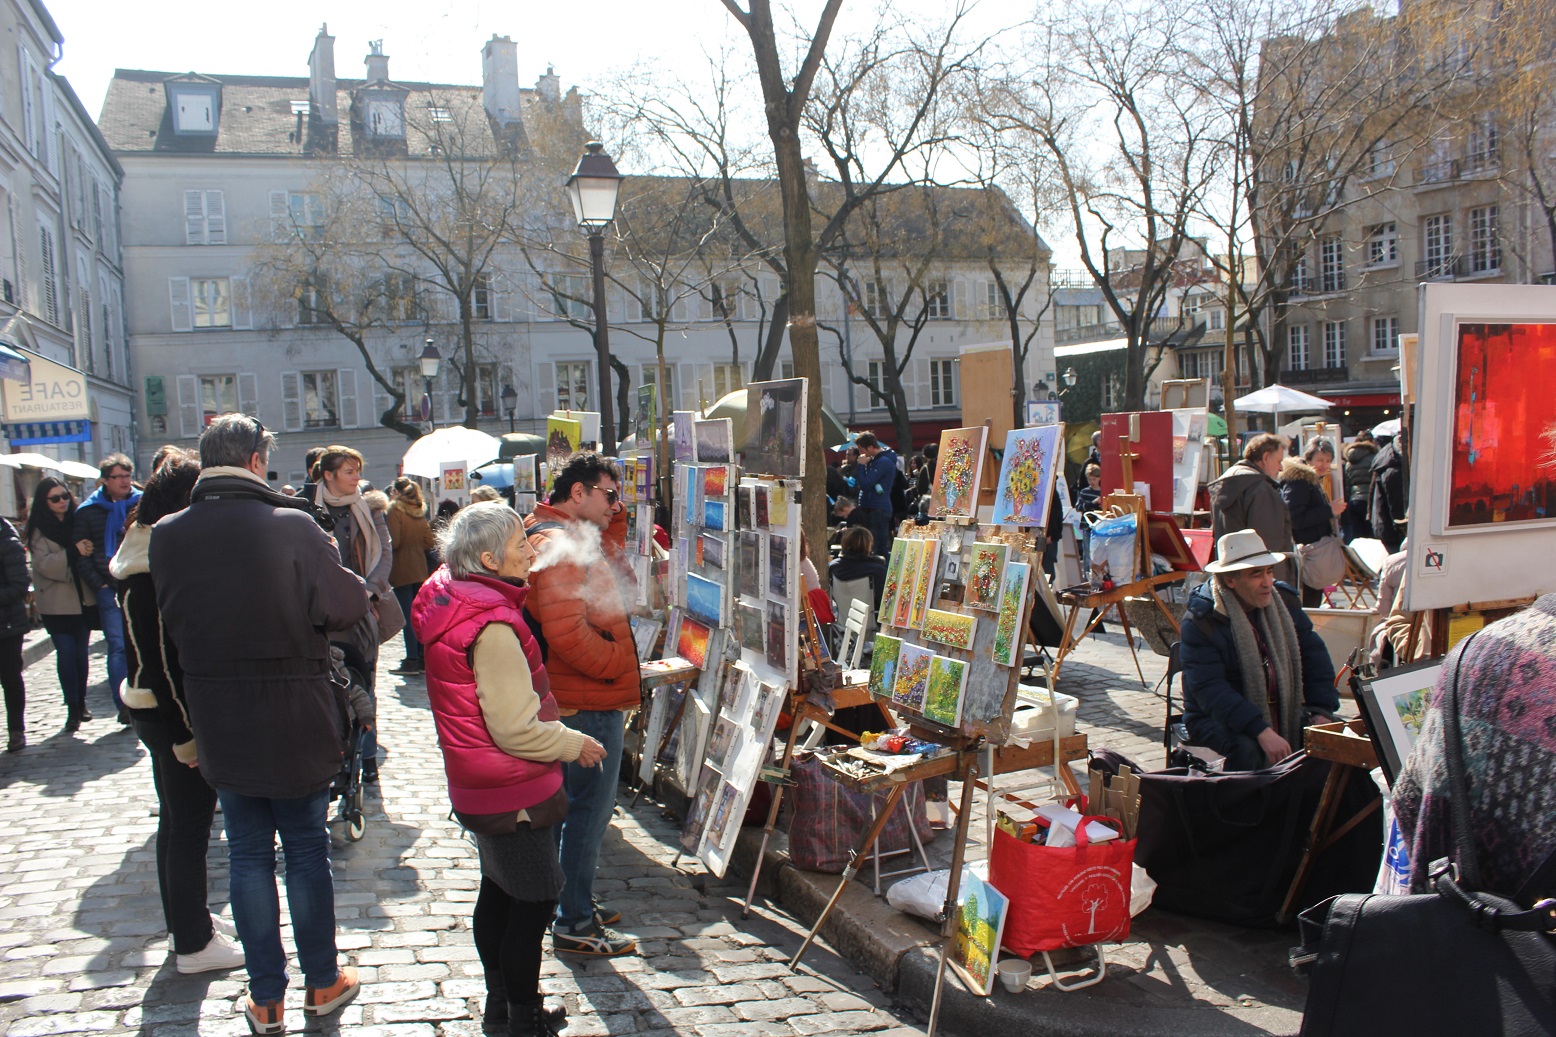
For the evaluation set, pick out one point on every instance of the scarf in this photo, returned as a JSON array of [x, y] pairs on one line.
[[118, 516], [366, 535], [230, 471], [1280, 635], [56, 529]]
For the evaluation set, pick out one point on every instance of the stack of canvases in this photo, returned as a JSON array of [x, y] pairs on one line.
[[635, 475], [700, 564]]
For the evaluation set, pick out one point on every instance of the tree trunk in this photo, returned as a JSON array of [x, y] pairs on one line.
[[767, 355], [467, 348]]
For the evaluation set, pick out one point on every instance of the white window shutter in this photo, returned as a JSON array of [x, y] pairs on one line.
[[178, 300], [545, 388], [347, 380], [499, 294], [959, 300], [381, 400], [242, 308], [248, 394], [29, 100], [194, 217], [215, 218], [615, 304], [291, 401], [188, 406], [280, 216], [50, 150]]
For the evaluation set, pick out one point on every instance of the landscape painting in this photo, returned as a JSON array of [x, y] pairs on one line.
[[980, 925], [958, 473], [714, 440], [1013, 601], [1504, 400], [692, 642], [704, 599], [883, 665], [774, 442], [912, 682], [943, 694], [950, 628], [1026, 483]]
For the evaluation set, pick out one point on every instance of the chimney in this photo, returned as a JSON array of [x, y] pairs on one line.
[[500, 80], [321, 77], [549, 86], [377, 62]]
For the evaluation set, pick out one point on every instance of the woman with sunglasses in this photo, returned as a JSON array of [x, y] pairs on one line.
[[67, 607]]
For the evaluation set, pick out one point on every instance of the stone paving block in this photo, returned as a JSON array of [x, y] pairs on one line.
[[379, 993], [840, 1022], [431, 1009], [97, 980], [721, 994], [767, 1011], [79, 1022]]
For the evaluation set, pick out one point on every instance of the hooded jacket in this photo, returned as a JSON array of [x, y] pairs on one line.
[[1388, 497], [1303, 492], [451, 616], [1215, 708], [411, 536], [877, 479], [153, 688], [101, 521], [249, 587], [580, 606], [1246, 498], [1358, 469]]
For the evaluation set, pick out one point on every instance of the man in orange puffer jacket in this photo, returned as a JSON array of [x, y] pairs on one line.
[[580, 592]]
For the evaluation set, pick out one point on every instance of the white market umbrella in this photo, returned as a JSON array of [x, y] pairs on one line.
[[452, 444], [74, 469], [78, 470], [1278, 399], [1386, 428]]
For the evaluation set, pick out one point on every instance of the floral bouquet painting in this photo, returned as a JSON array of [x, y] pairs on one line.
[[1026, 483], [958, 471]]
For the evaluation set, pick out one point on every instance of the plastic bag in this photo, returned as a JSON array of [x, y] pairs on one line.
[[1114, 554], [1069, 896], [922, 895]]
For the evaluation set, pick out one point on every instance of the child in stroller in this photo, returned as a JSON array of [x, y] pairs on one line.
[[346, 673]]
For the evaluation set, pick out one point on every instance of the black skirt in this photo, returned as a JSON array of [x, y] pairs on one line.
[[523, 863]]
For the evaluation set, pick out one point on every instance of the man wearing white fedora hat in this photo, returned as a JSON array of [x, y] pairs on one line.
[[1254, 670]]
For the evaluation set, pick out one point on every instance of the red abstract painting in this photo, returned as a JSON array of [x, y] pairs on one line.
[[1504, 400]]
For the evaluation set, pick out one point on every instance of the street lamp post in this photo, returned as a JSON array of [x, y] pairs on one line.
[[510, 403], [593, 188], [429, 361]]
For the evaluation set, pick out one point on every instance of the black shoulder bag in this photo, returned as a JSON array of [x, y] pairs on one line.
[[1453, 961]]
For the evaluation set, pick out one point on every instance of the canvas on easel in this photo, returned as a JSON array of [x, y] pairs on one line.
[[958, 473], [1033, 458]]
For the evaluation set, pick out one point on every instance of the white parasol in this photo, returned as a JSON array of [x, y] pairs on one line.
[[454, 443]]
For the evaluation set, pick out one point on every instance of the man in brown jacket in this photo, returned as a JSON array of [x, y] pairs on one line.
[[579, 605], [1248, 497]]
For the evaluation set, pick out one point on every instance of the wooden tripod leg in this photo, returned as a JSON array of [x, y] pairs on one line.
[[853, 865], [772, 813], [1129, 635], [1067, 642], [953, 887], [1323, 821]]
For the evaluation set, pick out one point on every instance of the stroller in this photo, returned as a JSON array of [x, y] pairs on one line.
[[351, 692]]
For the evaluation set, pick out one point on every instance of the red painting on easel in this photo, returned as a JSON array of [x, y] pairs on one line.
[[1153, 462], [1504, 400]]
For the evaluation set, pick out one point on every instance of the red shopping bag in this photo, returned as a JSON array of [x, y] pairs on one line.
[[1063, 896]]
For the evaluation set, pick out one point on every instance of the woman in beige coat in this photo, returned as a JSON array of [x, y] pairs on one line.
[[64, 604]]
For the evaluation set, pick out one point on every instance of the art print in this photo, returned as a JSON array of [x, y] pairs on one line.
[[748, 564], [912, 683], [714, 440], [682, 421], [562, 441], [743, 507], [763, 519], [950, 628], [778, 566], [692, 642], [1394, 706], [778, 637], [712, 551], [753, 629], [893, 584], [1026, 484], [524, 473], [944, 691], [704, 599], [645, 540], [769, 703], [925, 583], [983, 576], [980, 925], [723, 814], [1504, 398], [1012, 608], [708, 782], [774, 442], [908, 586], [883, 666], [715, 481], [714, 515], [722, 741], [643, 477], [958, 471]]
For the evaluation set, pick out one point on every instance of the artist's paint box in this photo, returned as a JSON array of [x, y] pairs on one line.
[[1035, 713]]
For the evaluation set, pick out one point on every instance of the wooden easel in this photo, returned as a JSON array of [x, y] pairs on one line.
[[1348, 755]]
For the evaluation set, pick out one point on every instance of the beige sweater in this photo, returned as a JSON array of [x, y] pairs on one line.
[[509, 704]]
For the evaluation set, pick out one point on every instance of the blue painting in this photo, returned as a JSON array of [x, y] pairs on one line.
[[704, 599], [713, 515]]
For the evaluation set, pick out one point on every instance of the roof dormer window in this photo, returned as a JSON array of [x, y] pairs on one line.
[[194, 103], [385, 119]]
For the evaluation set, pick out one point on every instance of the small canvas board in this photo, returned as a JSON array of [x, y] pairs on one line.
[[912, 681], [983, 576], [943, 692], [980, 926], [714, 440], [1033, 457], [774, 440], [1010, 626]]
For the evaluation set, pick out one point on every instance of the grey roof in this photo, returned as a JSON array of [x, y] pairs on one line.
[[257, 116]]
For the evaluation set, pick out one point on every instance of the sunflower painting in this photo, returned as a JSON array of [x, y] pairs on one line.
[[1026, 483], [958, 471]]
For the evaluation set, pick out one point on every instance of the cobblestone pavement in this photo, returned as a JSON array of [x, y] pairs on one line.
[[83, 947]]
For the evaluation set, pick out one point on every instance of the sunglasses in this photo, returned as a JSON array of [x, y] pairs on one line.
[[259, 436], [56, 498], [612, 497]]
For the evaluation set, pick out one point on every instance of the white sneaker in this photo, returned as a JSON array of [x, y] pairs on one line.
[[226, 928], [217, 955]]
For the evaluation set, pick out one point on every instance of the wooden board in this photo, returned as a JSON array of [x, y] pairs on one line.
[[1153, 462], [984, 374]]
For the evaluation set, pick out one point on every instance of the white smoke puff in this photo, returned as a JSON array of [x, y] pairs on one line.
[[576, 543]]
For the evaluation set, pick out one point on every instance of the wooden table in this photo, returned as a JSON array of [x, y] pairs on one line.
[[1104, 601], [1348, 755]]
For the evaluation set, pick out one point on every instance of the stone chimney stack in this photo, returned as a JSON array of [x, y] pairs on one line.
[[377, 62], [500, 80], [549, 86], [321, 78]]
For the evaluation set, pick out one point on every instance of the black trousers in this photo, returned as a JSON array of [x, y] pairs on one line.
[[508, 937], [11, 681], [183, 837]]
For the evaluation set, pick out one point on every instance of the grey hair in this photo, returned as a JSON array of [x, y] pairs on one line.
[[475, 530], [1318, 446], [229, 442]]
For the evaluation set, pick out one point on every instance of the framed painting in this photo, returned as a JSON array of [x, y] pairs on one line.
[[1394, 705], [774, 441], [1032, 459], [958, 473], [912, 682], [983, 576], [713, 440], [1008, 629], [943, 691], [950, 628]]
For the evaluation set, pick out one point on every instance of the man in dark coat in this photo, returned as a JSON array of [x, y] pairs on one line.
[[1254, 670], [1358, 481], [1389, 496], [248, 586], [101, 519], [877, 478], [1247, 497]]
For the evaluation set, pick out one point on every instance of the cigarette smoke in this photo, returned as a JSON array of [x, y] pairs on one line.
[[577, 543]]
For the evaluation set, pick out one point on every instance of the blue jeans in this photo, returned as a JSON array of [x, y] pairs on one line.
[[879, 522], [591, 799], [70, 636], [252, 825], [113, 632], [405, 595]]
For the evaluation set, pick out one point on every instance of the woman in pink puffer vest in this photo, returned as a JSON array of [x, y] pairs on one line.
[[503, 748]]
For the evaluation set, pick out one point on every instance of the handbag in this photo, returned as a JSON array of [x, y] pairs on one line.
[[1323, 562], [390, 616], [1063, 896], [1450, 961]]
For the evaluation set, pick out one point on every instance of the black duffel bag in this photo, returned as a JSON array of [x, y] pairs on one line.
[[1226, 846], [1449, 962]]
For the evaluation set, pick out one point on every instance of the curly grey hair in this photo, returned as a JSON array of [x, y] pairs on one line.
[[474, 530]]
